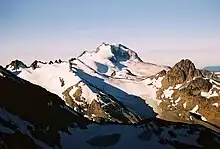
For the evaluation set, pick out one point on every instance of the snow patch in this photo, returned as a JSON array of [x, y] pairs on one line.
[[176, 101], [194, 110], [178, 86], [214, 82], [168, 92], [203, 118], [88, 94], [184, 105], [209, 94], [215, 104], [86, 116]]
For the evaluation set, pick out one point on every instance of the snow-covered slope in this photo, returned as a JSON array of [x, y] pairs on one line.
[[112, 83], [50, 76], [111, 70], [112, 59]]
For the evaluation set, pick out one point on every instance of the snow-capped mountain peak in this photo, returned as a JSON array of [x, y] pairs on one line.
[[118, 52], [16, 65], [110, 59], [102, 79]]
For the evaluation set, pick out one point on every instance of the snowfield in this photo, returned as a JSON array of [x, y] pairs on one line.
[[114, 69], [49, 75]]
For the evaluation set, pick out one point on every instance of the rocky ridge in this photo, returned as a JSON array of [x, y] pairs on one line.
[[189, 94]]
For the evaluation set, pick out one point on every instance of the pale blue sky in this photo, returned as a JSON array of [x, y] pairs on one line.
[[161, 31]]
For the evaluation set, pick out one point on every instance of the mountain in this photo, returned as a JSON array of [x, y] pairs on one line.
[[190, 95], [113, 85], [118, 60], [16, 66], [32, 117], [104, 85]]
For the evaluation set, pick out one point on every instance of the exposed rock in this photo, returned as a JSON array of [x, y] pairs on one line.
[[186, 84], [58, 61], [16, 64], [198, 85], [62, 83], [50, 62], [161, 73], [104, 109], [34, 65], [182, 71], [96, 108]]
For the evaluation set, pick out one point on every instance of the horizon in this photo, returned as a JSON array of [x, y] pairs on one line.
[[28, 63], [160, 32]]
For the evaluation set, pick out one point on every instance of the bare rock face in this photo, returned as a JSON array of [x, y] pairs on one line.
[[50, 62], [182, 71], [189, 94], [195, 87], [162, 73], [16, 64], [34, 65], [105, 108]]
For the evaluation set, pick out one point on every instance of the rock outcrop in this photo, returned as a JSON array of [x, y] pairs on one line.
[[15, 65], [102, 108], [36, 63], [189, 94]]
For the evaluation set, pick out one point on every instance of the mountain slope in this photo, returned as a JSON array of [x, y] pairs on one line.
[[189, 94], [32, 117], [39, 111], [100, 79], [112, 59], [16, 66], [113, 84]]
